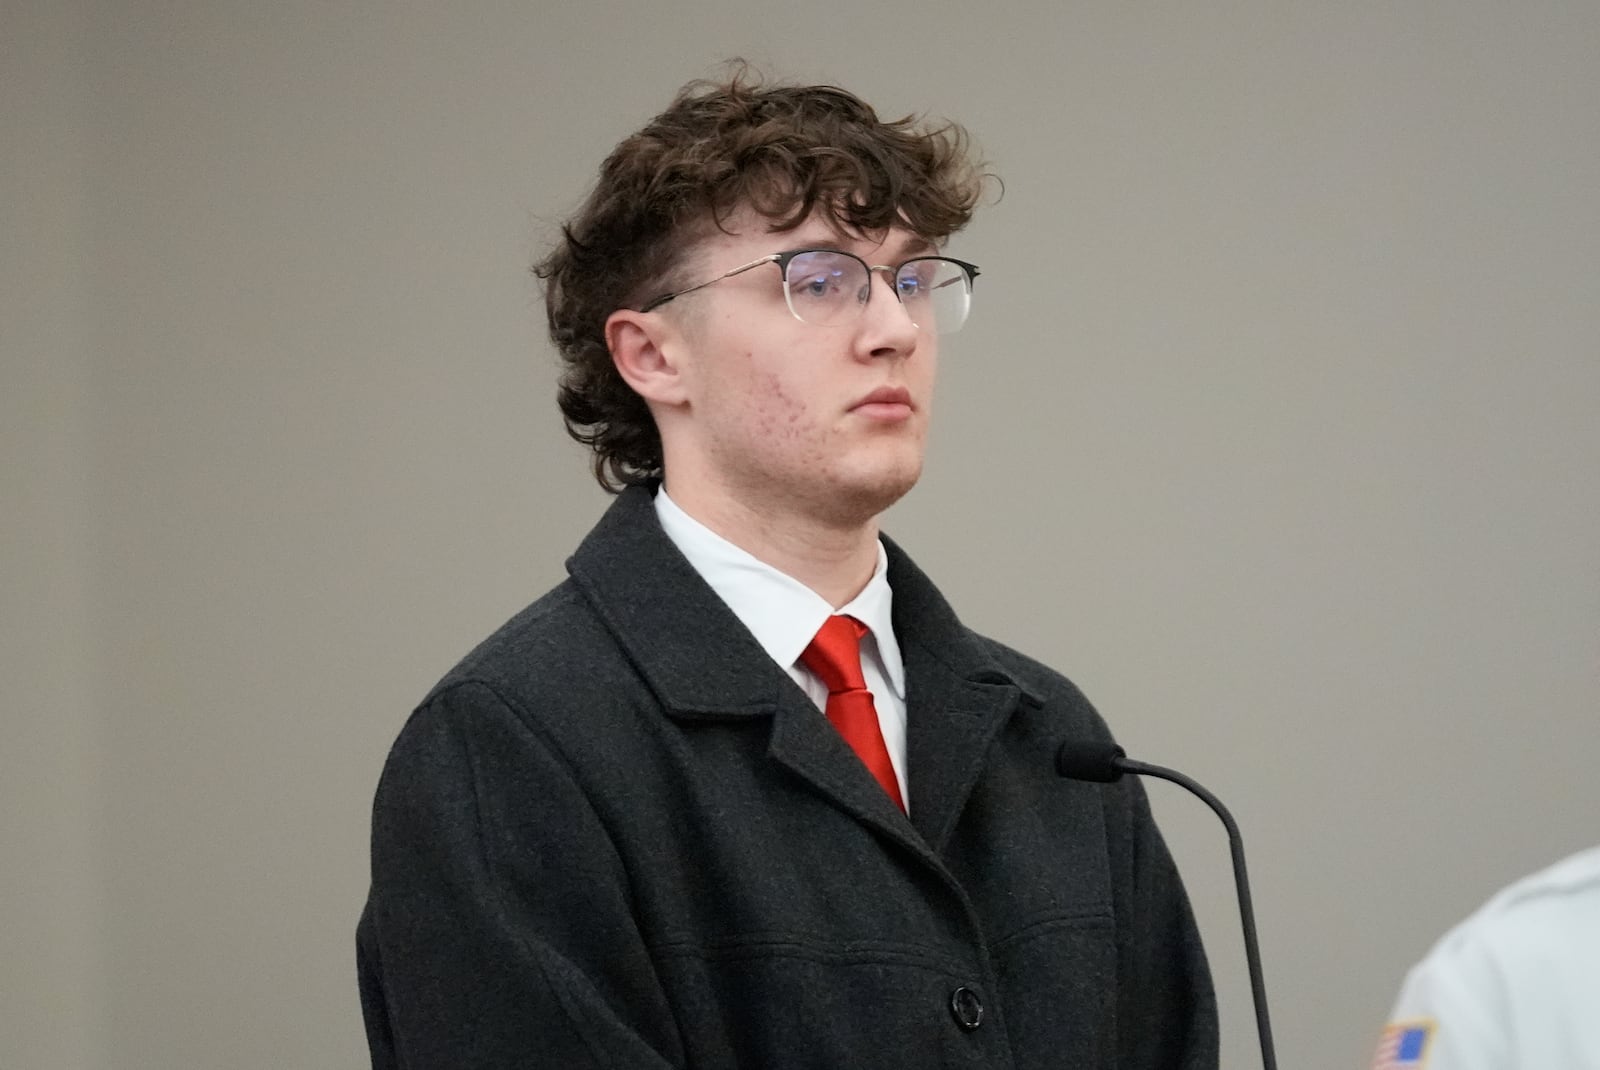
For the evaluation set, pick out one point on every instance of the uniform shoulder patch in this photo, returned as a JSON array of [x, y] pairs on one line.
[[1404, 1045]]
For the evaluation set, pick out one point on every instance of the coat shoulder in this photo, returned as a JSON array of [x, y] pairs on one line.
[[551, 661], [1048, 689]]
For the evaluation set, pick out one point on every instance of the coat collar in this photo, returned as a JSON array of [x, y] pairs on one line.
[[703, 664], [692, 651]]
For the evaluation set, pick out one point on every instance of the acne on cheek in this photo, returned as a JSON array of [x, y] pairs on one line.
[[774, 405]]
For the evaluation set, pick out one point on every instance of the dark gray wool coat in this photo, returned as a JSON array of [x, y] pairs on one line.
[[618, 835]]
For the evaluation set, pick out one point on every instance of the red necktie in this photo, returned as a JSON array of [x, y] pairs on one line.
[[835, 656]]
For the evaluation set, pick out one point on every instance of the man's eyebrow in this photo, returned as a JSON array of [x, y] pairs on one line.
[[917, 245], [829, 244], [914, 247]]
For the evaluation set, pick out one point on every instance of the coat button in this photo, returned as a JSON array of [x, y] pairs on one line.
[[967, 1008]]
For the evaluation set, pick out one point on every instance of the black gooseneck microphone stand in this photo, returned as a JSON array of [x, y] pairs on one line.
[[1103, 763]]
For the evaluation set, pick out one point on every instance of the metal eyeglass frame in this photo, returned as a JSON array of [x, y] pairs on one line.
[[783, 260]]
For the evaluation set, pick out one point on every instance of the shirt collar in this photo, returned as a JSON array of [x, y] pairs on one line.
[[781, 612]]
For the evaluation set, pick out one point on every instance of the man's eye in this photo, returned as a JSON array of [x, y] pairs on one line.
[[820, 285]]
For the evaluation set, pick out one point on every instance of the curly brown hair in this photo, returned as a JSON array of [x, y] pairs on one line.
[[784, 151]]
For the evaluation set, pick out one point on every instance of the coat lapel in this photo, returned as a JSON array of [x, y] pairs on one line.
[[950, 722], [958, 698], [807, 745], [703, 664]]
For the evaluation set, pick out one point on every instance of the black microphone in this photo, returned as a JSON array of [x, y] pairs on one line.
[[1102, 762]]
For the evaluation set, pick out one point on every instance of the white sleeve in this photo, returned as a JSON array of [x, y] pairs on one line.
[[1450, 1014], [1514, 987]]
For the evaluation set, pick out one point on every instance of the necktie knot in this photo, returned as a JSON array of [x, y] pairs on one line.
[[835, 654]]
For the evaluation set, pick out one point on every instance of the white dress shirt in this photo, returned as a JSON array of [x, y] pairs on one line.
[[784, 615]]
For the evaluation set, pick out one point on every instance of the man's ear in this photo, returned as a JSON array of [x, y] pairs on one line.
[[645, 348]]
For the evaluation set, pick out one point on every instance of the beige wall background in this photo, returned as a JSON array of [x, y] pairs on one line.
[[1275, 429]]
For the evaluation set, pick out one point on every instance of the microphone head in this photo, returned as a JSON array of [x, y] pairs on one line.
[[1090, 759]]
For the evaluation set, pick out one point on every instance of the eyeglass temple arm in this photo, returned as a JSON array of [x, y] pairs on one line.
[[664, 298]]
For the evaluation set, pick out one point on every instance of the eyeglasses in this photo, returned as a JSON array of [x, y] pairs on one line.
[[827, 287]]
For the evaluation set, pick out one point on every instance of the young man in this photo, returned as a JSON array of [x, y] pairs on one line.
[[743, 791]]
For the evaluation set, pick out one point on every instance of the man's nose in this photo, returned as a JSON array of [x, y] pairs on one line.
[[893, 329], [888, 301]]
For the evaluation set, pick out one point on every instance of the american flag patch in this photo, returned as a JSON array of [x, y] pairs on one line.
[[1403, 1046]]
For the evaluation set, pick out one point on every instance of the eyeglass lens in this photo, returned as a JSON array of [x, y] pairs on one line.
[[825, 288]]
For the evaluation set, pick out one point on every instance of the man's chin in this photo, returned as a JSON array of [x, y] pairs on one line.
[[861, 500]]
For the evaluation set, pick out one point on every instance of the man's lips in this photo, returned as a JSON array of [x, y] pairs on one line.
[[887, 402]]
